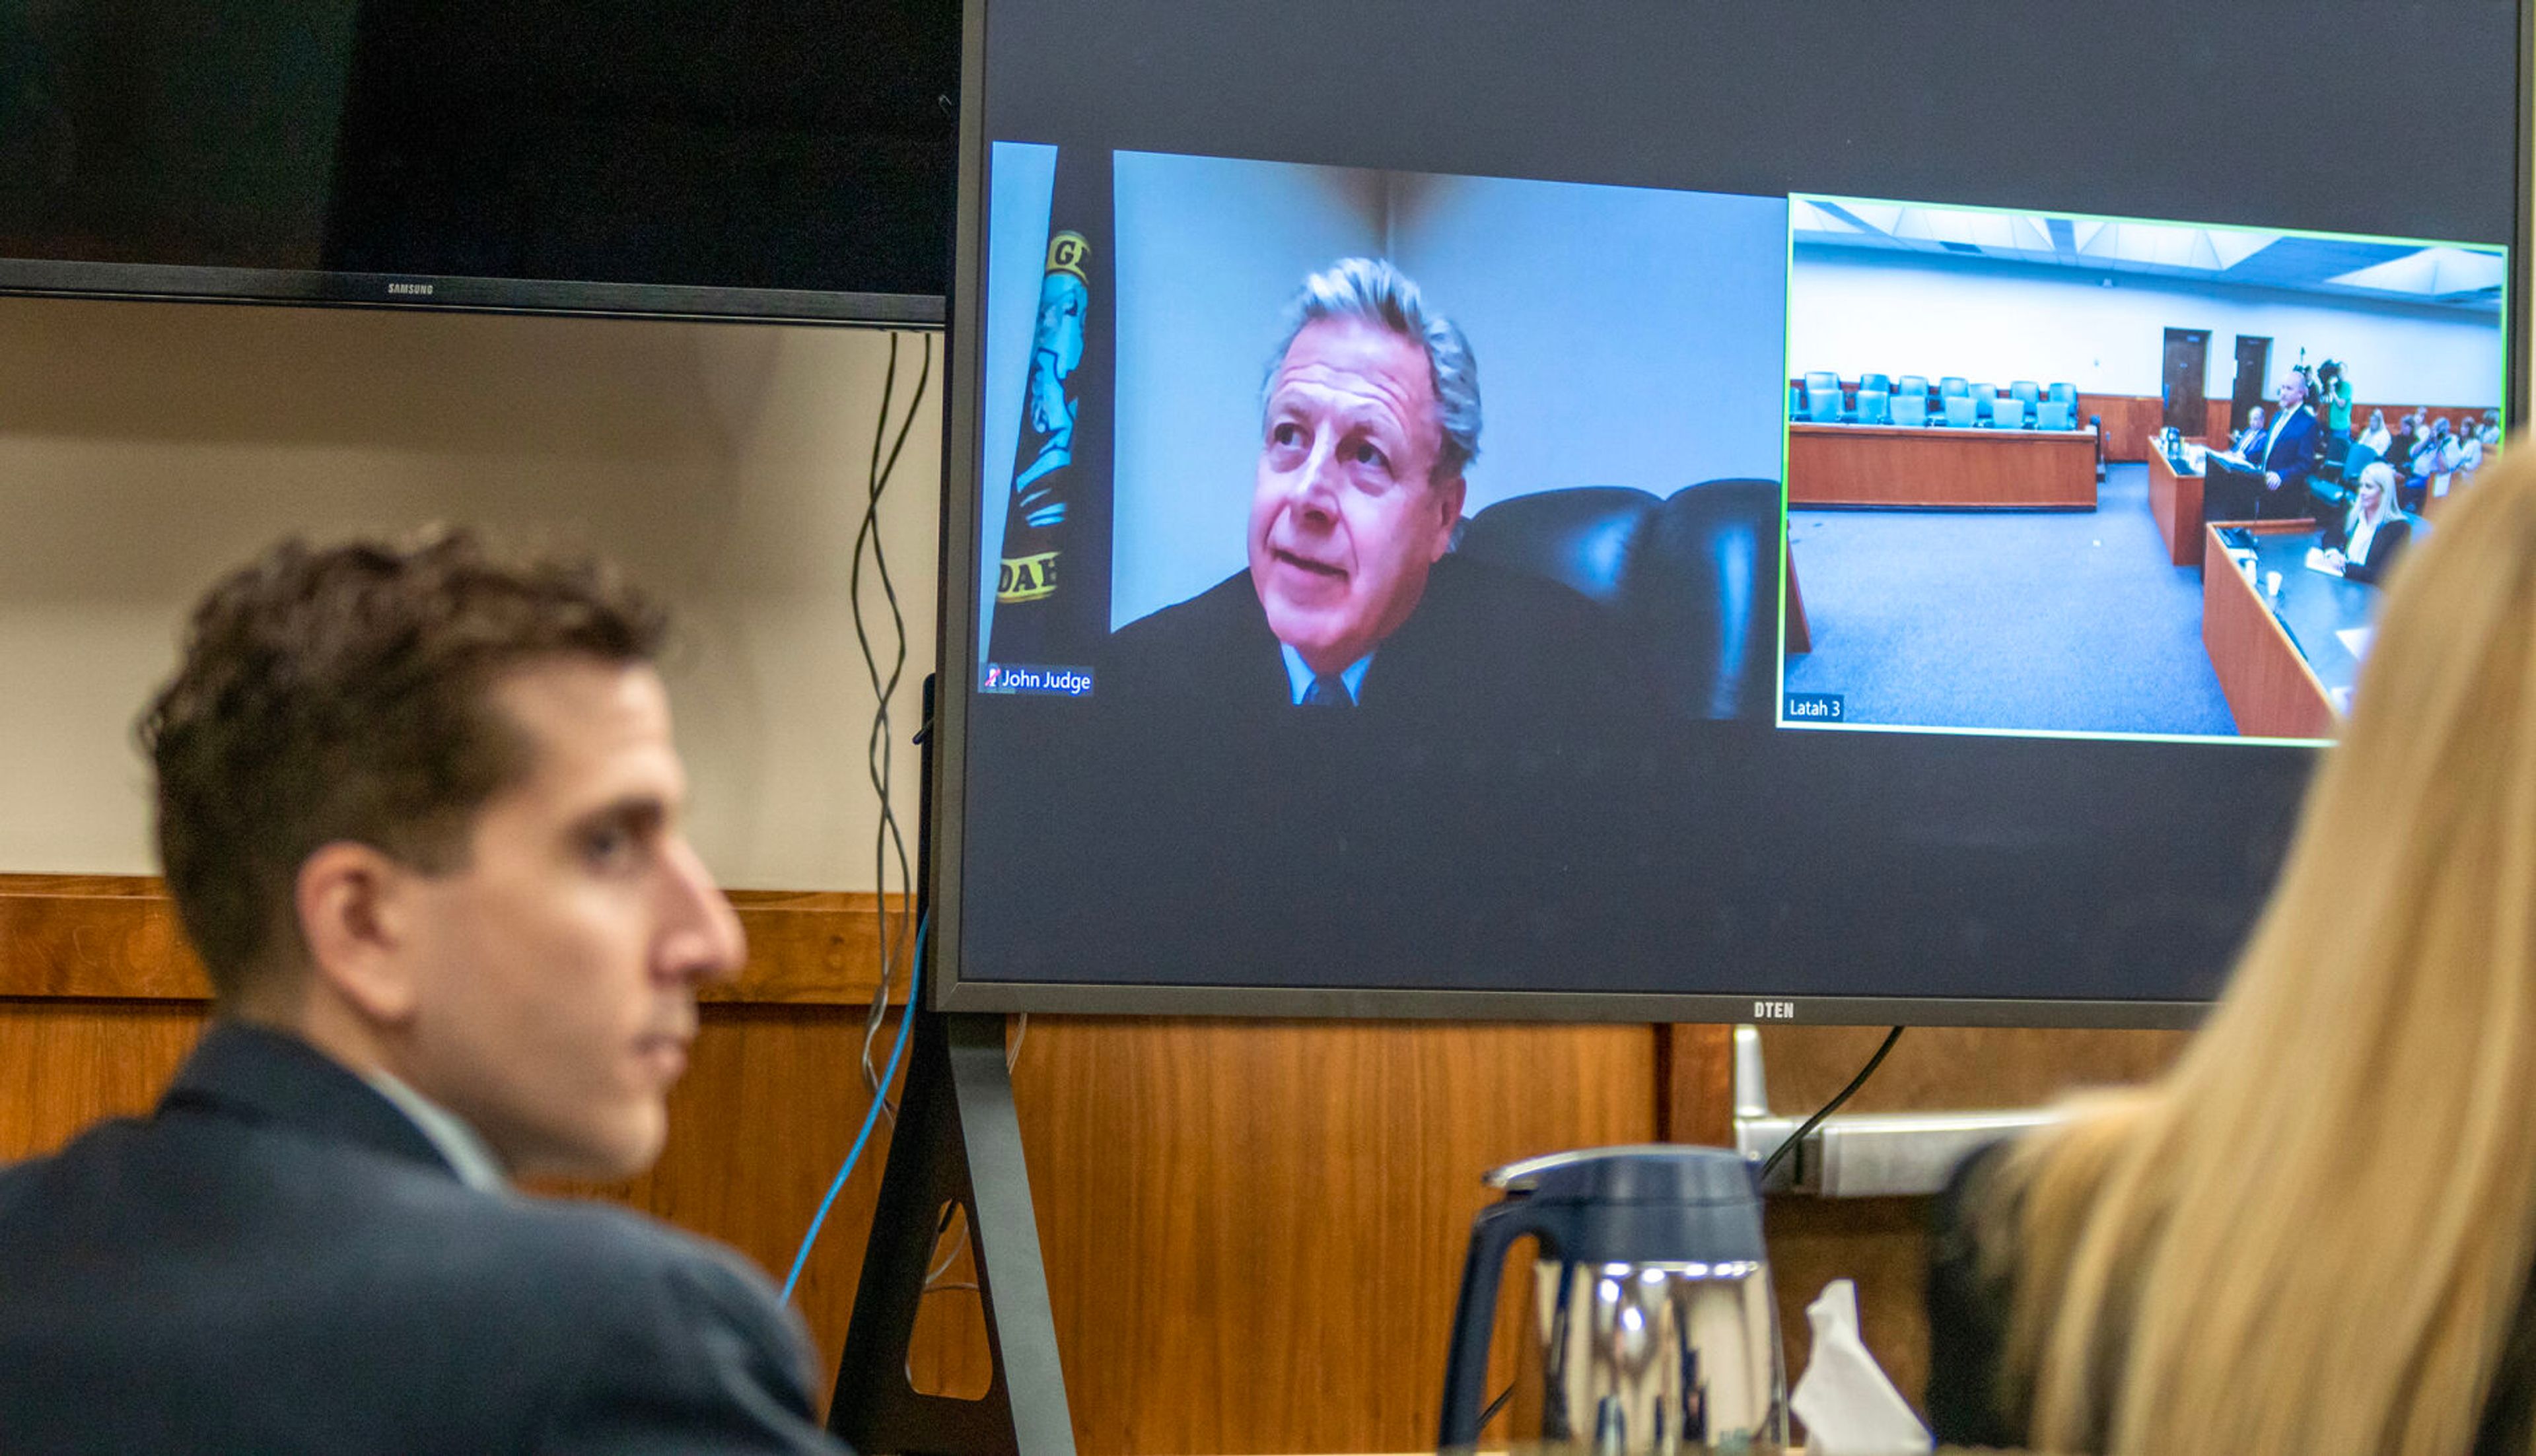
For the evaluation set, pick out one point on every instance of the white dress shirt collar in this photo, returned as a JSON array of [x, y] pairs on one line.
[[459, 1144], [2278, 425], [2357, 548], [1299, 674]]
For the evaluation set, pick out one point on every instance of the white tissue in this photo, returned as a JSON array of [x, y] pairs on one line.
[[1848, 1405]]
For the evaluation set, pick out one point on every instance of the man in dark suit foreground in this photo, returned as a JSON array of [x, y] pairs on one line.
[[1351, 598], [421, 816]]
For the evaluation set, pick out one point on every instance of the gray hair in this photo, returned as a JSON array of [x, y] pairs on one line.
[[1373, 289]]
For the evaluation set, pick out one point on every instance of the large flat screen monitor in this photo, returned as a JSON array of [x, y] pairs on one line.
[[1688, 510], [763, 159]]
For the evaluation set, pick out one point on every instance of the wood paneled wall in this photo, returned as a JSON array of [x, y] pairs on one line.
[[2129, 423], [2132, 421], [64, 1064], [2222, 410], [1253, 1231], [2456, 415]]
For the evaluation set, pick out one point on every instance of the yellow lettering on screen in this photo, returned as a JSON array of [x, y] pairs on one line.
[[1026, 578], [1066, 252]]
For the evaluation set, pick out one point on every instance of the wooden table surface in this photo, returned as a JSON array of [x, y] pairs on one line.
[[1928, 465], [2271, 686]]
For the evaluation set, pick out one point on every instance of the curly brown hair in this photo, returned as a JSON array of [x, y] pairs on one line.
[[343, 693]]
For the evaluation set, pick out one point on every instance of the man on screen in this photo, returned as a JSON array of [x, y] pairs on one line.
[[1353, 598], [2286, 451]]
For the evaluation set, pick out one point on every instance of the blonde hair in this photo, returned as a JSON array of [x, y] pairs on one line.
[[2312, 1234], [2382, 476]]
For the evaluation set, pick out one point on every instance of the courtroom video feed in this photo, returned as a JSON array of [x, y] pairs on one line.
[[1262, 438], [2052, 473]]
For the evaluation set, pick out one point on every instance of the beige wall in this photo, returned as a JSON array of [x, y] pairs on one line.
[[145, 448]]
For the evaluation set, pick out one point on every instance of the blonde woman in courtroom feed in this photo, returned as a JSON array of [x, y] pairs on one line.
[[2315, 1236]]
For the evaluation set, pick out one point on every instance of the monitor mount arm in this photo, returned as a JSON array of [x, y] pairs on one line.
[[1861, 1155]]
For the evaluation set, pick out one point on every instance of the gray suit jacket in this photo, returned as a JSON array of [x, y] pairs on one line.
[[277, 1261]]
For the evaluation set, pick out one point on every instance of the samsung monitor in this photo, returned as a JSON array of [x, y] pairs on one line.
[[1637, 511]]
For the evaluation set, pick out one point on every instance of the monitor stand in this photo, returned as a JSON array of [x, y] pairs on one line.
[[955, 1141]]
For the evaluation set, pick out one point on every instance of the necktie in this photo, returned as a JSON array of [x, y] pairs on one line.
[[1328, 690]]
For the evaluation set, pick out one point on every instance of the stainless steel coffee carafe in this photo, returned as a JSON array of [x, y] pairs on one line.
[[1652, 1317]]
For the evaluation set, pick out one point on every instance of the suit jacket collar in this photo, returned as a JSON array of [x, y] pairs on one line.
[[259, 1075], [1446, 581]]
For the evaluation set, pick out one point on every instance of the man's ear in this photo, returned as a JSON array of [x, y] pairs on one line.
[[355, 918], [1449, 493]]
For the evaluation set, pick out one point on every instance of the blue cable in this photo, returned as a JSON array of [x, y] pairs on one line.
[[906, 1021]]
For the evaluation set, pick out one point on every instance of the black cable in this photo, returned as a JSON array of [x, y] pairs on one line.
[[1494, 1406], [890, 841], [1762, 1179]]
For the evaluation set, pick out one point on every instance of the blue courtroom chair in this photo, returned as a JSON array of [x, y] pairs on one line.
[[2067, 394], [1822, 379], [1959, 411], [2330, 492], [1985, 402], [2008, 412], [1796, 402], [1911, 407], [2360, 458], [1822, 406], [1953, 384], [1912, 384], [1876, 381], [2052, 415], [2026, 389], [1872, 405]]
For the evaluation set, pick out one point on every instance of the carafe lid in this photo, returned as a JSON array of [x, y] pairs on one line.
[[1640, 1172]]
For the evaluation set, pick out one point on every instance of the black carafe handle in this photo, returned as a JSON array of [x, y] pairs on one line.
[[1466, 1366]]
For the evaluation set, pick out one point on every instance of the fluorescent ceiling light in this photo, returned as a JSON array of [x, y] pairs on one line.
[[2233, 245], [2432, 273]]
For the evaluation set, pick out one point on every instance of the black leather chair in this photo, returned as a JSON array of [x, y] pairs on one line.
[[1692, 579]]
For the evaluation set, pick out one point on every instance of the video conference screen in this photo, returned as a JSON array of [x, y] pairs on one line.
[[1647, 509]]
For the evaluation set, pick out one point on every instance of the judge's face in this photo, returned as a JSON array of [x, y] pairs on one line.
[[1346, 515], [555, 971]]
